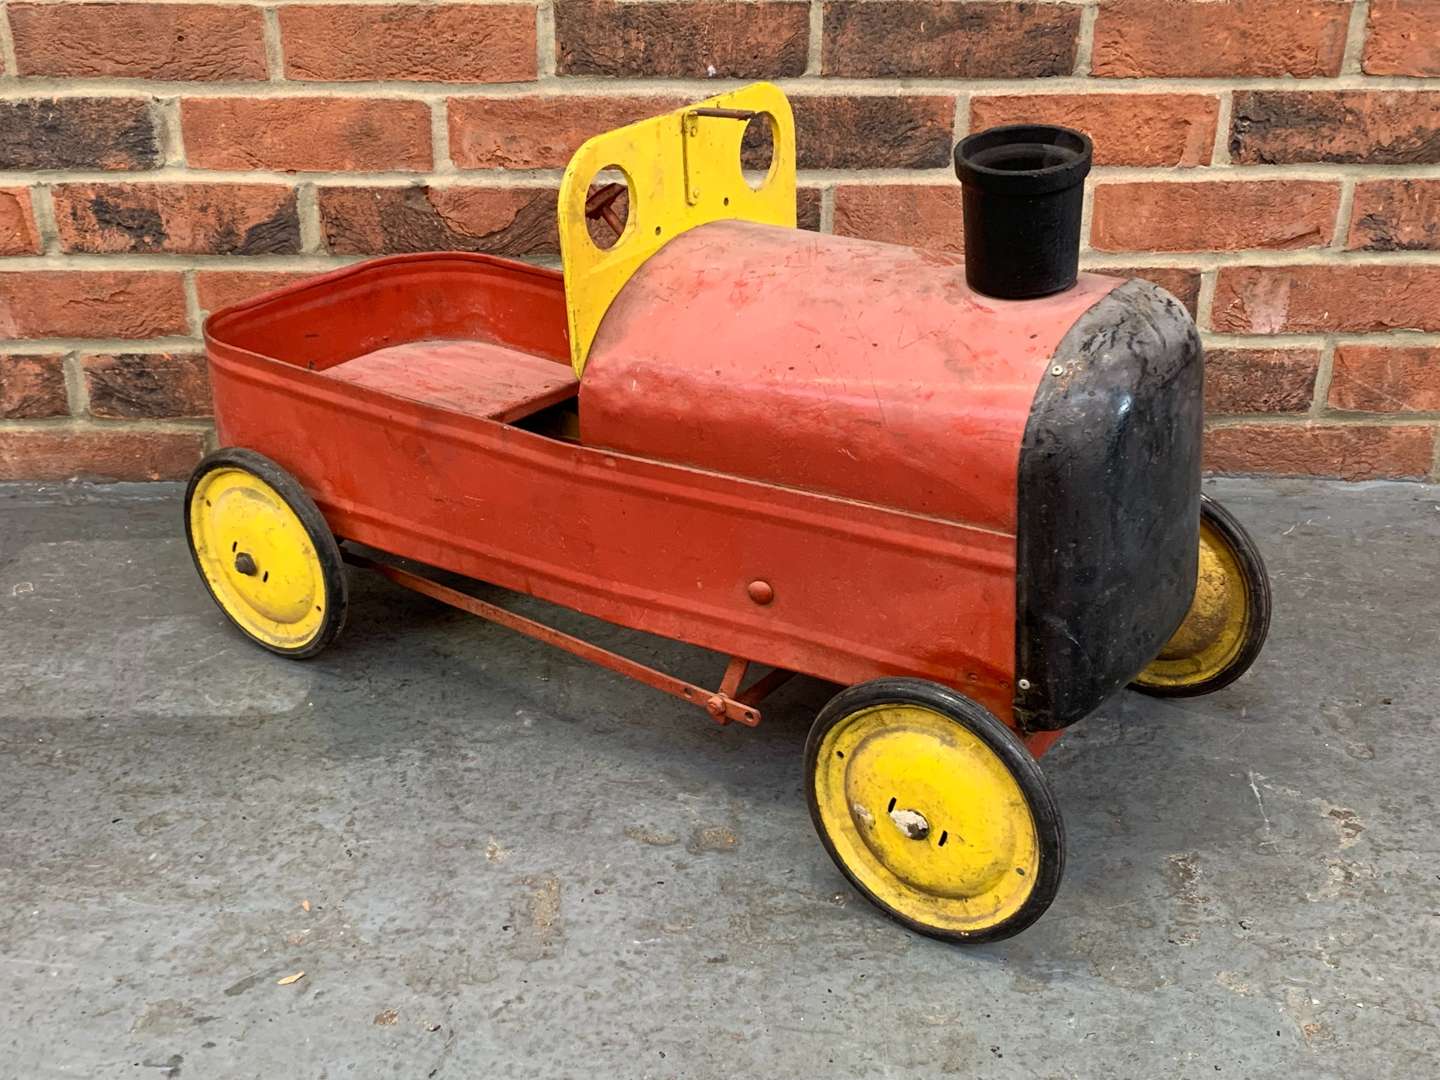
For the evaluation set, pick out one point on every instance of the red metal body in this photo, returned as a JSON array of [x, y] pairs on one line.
[[711, 499]]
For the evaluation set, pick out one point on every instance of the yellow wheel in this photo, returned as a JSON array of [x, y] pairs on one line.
[[265, 553], [934, 810], [1229, 617]]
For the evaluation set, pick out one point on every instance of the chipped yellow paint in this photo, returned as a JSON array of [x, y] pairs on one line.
[[1215, 627], [682, 170], [276, 593], [927, 817]]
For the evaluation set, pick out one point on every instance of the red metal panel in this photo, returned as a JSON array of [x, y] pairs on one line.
[[855, 590], [829, 364], [472, 377]]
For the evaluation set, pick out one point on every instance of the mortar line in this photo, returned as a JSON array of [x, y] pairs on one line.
[[1356, 30], [698, 86], [1323, 373], [92, 424], [814, 51], [50, 346], [1220, 151], [827, 209], [943, 173], [440, 138], [1205, 299], [193, 313], [1085, 39], [166, 112], [7, 44], [1171, 260], [307, 210], [77, 394], [1343, 214], [546, 46], [274, 44], [1333, 419], [960, 123], [42, 206]]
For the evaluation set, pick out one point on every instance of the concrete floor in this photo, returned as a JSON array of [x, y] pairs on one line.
[[516, 865]]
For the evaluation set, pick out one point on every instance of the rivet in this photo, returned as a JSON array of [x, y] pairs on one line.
[[1023, 684], [1057, 370], [762, 592]]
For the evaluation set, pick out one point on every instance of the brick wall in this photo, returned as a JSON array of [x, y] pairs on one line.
[[1275, 163]]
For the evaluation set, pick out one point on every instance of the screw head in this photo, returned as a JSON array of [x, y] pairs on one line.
[[1023, 684], [762, 592]]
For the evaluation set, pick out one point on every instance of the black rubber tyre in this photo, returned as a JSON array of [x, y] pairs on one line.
[[1257, 602], [336, 587], [1006, 746]]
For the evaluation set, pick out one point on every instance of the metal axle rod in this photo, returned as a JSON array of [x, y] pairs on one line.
[[725, 704]]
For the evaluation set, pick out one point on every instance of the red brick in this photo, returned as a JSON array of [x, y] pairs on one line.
[[1214, 216], [1260, 380], [1128, 129], [191, 219], [935, 38], [18, 235], [87, 454], [182, 42], [1378, 127], [146, 386], [703, 39], [1374, 378], [1396, 215], [78, 133], [807, 208], [873, 131], [301, 134], [920, 215], [535, 132], [1347, 451], [435, 43], [1180, 283], [497, 221], [91, 304], [221, 288], [1219, 38], [1403, 38], [32, 387], [1350, 298]]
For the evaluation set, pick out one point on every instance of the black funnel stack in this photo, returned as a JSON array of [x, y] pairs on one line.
[[1024, 189]]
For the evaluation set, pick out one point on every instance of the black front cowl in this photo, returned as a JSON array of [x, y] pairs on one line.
[[1109, 504]]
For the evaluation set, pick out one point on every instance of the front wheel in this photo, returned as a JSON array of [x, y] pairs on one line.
[[264, 552], [934, 810], [1229, 617]]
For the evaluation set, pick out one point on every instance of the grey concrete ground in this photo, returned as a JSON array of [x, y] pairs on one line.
[[516, 865]]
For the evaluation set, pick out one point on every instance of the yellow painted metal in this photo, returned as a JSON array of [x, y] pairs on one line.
[[927, 817], [277, 594], [682, 170], [1216, 625]]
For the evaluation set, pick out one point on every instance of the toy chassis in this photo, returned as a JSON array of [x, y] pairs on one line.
[[821, 455]]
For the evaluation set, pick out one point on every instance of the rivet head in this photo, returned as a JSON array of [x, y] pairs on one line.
[[1023, 684], [1057, 370], [762, 592]]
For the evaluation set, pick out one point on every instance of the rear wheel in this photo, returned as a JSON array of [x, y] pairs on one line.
[[1228, 620], [265, 553], [934, 810]]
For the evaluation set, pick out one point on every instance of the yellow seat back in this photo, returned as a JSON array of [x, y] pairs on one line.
[[682, 170]]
